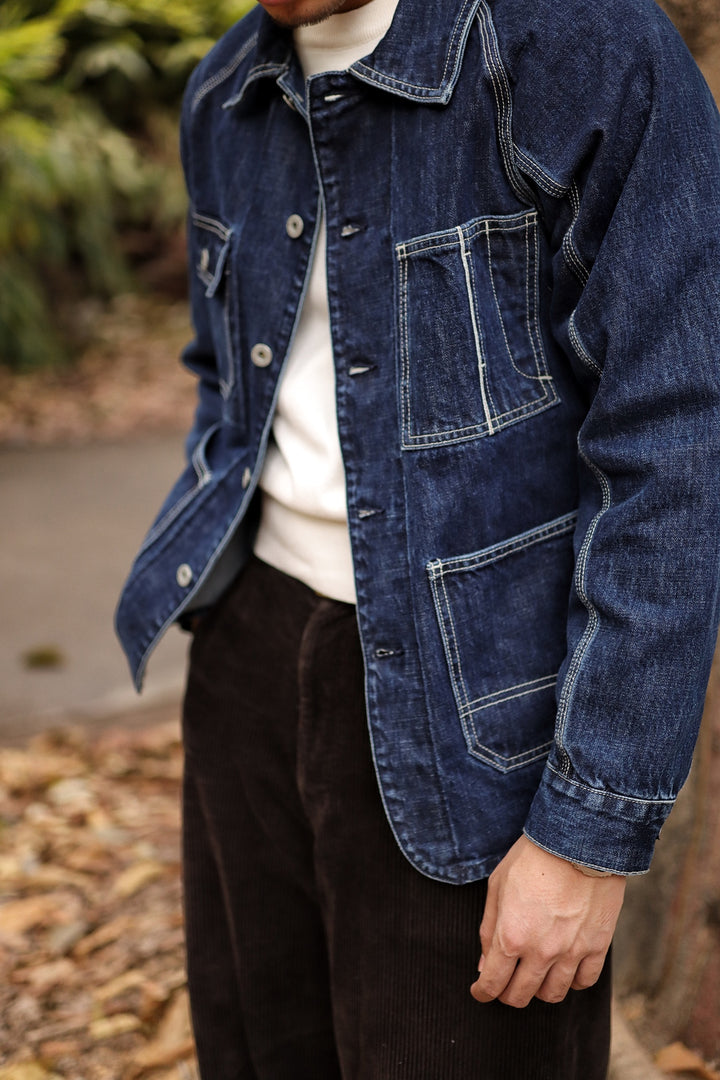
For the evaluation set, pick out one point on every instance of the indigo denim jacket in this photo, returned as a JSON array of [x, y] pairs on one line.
[[523, 264]]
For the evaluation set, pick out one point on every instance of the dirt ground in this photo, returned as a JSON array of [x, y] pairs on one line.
[[128, 380], [92, 978]]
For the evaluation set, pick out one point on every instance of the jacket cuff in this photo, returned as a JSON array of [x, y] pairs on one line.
[[597, 828]]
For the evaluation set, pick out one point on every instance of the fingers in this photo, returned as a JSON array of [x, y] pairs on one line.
[[588, 972], [493, 977], [546, 928], [516, 982]]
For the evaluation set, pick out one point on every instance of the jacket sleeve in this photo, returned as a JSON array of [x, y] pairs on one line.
[[632, 198], [199, 355]]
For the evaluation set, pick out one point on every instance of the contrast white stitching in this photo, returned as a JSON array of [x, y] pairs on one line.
[[503, 101], [557, 527], [459, 692], [612, 794], [579, 347], [452, 240], [593, 616], [476, 332], [211, 225], [452, 47], [500, 696], [224, 73]]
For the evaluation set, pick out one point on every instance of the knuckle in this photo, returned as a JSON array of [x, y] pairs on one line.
[[546, 954], [511, 944], [552, 997]]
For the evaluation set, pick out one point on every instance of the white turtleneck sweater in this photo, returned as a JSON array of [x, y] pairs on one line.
[[303, 524]]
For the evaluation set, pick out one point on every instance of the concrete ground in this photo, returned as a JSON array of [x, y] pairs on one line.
[[72, 519]]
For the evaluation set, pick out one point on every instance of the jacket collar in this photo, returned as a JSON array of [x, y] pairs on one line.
[[419, 58]]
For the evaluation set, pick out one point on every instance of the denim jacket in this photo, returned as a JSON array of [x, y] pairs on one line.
[[523, 254]]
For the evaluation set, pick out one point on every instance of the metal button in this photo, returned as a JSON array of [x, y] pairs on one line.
[[184, 575], [295, 226], [261, 354], [246, 478]]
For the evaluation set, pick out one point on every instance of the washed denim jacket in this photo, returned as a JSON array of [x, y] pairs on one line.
[[523, 253]]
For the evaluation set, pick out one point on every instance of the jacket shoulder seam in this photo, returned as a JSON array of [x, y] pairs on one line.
[[224, 73], [534, 170]]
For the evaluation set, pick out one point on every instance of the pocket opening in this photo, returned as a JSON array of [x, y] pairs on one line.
[[502, 613], [471, 354]]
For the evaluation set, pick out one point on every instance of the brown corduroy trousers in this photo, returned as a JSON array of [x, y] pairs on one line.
[[315, 951]]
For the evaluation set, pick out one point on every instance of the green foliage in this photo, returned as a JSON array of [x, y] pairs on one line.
[[89, 91]]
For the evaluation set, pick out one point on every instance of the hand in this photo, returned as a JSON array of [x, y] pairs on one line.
[[546, 929]]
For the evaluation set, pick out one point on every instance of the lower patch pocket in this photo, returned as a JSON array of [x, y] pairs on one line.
[[502, 614]]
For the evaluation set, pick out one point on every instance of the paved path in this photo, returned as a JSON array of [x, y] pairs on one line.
[[72, 519]]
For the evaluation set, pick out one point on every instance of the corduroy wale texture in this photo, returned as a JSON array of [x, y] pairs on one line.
[[315, 950]]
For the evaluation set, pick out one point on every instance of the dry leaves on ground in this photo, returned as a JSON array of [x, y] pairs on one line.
[[92, 981], [678, 1058]]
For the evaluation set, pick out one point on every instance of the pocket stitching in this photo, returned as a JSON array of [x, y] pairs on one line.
[[437, 570], [224, 233], [447, 240]]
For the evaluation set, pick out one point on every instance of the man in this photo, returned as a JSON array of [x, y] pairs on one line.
[[455, 291]]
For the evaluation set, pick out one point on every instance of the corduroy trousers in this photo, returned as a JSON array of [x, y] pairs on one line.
[[315, 951]]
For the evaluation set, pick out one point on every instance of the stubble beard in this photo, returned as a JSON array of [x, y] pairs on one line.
[[290, 22]]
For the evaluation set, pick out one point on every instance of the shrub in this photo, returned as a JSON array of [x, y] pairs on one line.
[[89, 90]]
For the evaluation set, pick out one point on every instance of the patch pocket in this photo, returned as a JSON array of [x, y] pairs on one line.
[[210, 254], [472, 357], [502, 614]]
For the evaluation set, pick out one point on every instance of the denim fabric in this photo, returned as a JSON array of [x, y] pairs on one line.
[[523, 230]]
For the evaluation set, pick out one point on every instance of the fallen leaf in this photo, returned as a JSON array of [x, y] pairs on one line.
[[29, 1070], [62, 939], [21, 772], [104, 935], [680, 1058], [52, 1051], [136, 877], [173, 1042], [175, 1025], [50, 876], [107, 1027], [17, 916], [43, 977], [155, 1056], [43, 656], [126, 981], [72, 792]]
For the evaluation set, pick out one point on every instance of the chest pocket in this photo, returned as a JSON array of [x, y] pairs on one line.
[[210, 253], [472, 358]]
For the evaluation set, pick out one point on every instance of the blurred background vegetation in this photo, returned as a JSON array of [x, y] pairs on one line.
[[91, 196], [90, 188]]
